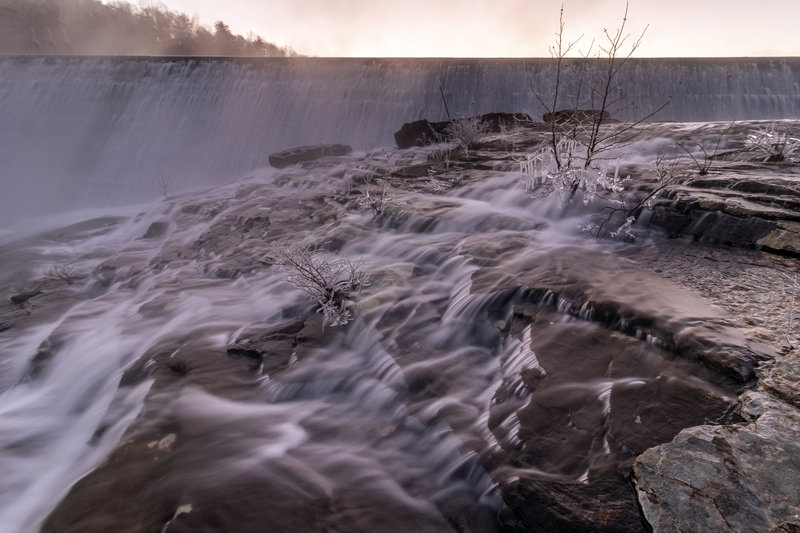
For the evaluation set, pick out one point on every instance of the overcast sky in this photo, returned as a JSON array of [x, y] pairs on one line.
[[506, 28]]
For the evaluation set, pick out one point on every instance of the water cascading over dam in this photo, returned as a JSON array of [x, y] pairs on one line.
[[100, 132], [502, 371]]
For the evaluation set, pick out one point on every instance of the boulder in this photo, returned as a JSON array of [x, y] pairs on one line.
[[726, 478], [423, 132], [495, 122], [22, 297], [300, 154], [419, 133], [782, 380]]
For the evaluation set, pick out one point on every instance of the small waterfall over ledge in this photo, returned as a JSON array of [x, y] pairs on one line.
[[99, 132]]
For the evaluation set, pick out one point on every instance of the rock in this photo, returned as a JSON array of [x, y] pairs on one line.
[[419, 133], [726, 478], [22, 297], [495, 122], [307, 153], [542, 505], [565, 116], [44, 354], [747, 209], [785, 237], [782, 380], [423, 132], [645, 414], [156, 229], [270, 350]]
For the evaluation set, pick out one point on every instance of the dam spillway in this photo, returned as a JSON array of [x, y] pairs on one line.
[[96, 132]]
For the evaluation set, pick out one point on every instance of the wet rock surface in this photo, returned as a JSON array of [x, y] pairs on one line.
[[423, 133], [301, 154], [419, 133], [523, 366], [744, 205], [727, 478]]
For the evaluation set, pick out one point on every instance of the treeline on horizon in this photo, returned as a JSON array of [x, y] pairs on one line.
[[89, 27]]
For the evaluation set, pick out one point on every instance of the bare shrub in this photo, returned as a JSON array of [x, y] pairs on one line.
[[581, 134], [465, 132], [61, 272], [703, 163], [163, 187], [376, 198], [771, 145], [443, 154], [329, 280]]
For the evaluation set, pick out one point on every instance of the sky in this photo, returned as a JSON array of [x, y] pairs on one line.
[[506, 28]]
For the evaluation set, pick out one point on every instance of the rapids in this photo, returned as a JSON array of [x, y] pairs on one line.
[[166, 375]]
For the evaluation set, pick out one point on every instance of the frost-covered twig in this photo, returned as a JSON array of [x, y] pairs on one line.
[[376, 201], [61, 272], [625, 229], [465, 132], [563, 171], [327, 279], [666, 172], [770, 145]]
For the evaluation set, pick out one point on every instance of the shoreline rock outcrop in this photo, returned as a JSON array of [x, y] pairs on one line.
[[743, 477]]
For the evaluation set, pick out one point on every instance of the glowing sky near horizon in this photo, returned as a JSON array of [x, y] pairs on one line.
[[506, 28]]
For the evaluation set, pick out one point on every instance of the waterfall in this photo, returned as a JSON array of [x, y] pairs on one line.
[[99, 132]]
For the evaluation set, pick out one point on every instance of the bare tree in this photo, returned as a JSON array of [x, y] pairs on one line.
[[582, 134], [117, 28]]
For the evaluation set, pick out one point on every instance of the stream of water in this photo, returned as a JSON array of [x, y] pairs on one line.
[[469, 369]]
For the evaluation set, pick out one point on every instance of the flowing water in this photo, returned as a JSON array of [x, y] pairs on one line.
[[98, 132], [472, 366], [157, 370]]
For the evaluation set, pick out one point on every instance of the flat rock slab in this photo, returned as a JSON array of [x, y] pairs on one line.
[[727, 478], [300, 154], [746, 207]]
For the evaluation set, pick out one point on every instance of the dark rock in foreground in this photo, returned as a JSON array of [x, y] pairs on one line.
[[727, 478], [300, 154]]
